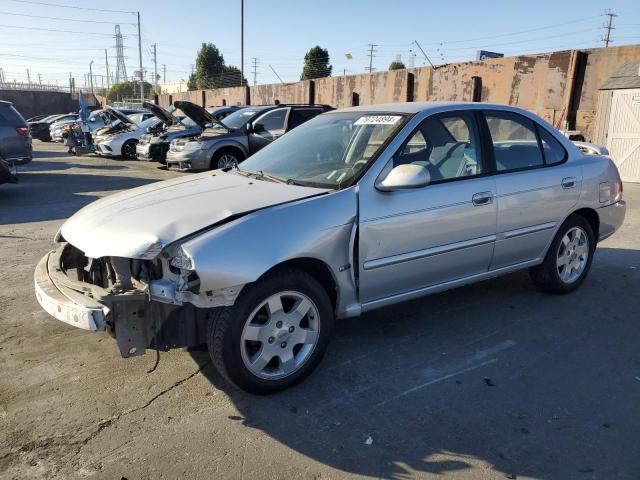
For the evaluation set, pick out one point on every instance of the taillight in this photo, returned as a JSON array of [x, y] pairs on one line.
[[23, 131], [618, 188]]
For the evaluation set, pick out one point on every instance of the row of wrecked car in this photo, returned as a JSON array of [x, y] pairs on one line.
[[186, 136]]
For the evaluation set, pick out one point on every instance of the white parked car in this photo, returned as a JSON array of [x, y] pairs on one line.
[[123, 142]]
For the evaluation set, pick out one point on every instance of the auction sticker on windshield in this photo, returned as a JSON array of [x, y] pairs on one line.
[[378, 120]]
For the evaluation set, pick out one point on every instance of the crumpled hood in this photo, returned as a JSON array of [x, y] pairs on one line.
[[138, 223]]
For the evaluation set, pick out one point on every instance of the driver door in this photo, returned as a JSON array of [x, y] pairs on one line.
[[267, 128], [412, 239]]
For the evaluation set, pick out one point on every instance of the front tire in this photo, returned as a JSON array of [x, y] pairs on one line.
[[276, 333], [129, 149], [225, 158], [569, 258]]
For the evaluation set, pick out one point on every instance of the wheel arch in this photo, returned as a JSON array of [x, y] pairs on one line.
[[591, 216], [229, 147], [318, 269]]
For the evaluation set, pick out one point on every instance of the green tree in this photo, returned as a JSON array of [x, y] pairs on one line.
[[120, 91], [397, 65], [211, 71], [316, 64]]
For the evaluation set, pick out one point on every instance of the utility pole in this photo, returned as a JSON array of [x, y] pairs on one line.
[[91, 74], [164, 73], [423, 53], [28, 77], [140, 59], [255, 70], [607, 38], [39, 79], [155, 68], [1, 78], [106, 61], [241, 41], [371, 52], [276, 74]]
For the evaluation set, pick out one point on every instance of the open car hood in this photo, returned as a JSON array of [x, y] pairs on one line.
[[123, 118], [165, 115], [196, 113], [140, 222]]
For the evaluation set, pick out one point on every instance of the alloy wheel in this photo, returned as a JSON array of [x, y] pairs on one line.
[[280, 335], [573, 253], [227, 161]]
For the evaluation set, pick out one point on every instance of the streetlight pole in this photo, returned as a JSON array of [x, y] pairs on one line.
[[241, 41], [140, 58]]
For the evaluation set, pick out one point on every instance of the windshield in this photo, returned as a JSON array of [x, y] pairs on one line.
[[328, 151], [239, 118]]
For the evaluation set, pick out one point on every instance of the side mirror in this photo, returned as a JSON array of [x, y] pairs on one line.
[[404, 176], [258, 128], [148, 129]]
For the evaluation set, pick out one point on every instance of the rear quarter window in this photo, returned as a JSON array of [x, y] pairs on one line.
[[554, 152]]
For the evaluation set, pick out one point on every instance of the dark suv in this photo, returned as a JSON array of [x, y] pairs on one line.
[[15, 140]]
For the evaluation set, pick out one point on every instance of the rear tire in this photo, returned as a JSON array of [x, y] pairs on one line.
[[569, 258], [276, 333]]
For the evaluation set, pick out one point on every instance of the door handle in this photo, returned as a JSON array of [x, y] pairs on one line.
[[568, 182], [482, 198]]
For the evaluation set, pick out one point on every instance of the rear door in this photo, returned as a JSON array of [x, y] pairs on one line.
[[536, 187], [268, 127]]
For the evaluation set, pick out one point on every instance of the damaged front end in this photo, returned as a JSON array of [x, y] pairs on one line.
[[142, 303]]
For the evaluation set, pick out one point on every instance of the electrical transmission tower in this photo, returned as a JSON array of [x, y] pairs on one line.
[[121, 69], [255, 70], [608, 27], [371, 55]]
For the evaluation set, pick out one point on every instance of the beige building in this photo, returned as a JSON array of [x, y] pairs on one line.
[[173, 87]]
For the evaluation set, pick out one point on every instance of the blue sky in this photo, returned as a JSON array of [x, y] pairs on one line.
[[279, 32]]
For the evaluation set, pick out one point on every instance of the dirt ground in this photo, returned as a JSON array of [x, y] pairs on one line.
[[493, 380]]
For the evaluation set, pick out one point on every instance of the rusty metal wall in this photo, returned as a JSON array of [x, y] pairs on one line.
[[298, 92], [540, 83]]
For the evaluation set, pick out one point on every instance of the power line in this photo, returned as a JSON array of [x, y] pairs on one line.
[[607, 38], [75, 7], [515, 33], [61, 18], [57, 31]]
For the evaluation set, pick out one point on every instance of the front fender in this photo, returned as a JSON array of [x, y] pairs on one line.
[[239, 252], [227, 142]]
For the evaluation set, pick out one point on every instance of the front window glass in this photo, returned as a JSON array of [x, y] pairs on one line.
[[446, 145], [240, 118], [327, 151]]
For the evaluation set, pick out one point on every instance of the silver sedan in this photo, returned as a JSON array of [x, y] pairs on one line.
[[354, 210]]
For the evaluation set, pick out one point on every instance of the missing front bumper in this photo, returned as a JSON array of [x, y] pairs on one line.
[[136, 322]]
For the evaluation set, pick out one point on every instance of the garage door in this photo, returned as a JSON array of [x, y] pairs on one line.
[[623, 140]]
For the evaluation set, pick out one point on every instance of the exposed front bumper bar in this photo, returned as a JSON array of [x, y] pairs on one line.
[[65, 304]]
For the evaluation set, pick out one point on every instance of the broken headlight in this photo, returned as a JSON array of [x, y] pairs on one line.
[[181, 260]]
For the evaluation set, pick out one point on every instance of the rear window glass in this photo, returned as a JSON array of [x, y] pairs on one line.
[[11, 116]]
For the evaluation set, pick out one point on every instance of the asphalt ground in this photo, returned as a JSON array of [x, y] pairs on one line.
[[492, 380]]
